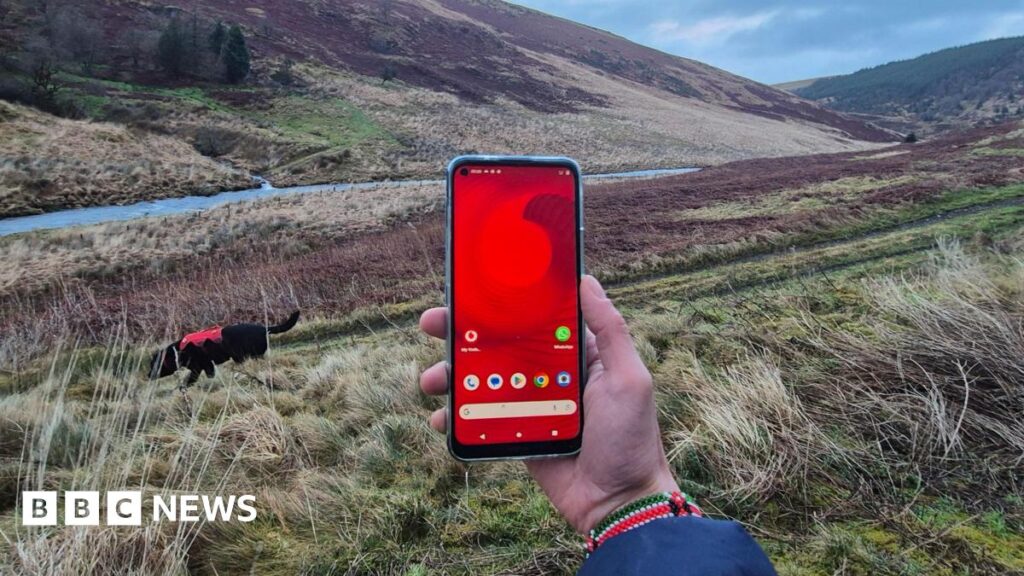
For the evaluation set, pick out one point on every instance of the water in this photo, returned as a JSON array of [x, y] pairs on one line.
[[170, 206]]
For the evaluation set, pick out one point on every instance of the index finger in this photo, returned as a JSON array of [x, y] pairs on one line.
[[435, 322]]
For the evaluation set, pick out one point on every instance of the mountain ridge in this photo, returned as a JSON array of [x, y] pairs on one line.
[[954, 87]]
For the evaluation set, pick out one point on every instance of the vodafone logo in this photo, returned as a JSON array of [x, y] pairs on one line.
[[471, 335]]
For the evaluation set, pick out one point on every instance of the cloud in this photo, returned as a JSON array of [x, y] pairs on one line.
[[1009, 24], [710, 30], [777, 40]]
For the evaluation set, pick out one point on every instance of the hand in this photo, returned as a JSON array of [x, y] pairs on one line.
[[622, 458]]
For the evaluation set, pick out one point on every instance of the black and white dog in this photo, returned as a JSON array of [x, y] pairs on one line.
[[200, 351]]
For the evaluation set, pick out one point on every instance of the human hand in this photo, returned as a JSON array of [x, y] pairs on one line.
[[622, 457]]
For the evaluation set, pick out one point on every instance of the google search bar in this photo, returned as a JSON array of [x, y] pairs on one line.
[[517, 409]]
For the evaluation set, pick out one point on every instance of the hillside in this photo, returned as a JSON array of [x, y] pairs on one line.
[[955, 87], [359, 91]]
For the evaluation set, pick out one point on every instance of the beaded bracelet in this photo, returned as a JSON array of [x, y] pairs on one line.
[[640, 512]]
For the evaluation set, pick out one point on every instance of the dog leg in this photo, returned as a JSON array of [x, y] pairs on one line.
[[183, 387]]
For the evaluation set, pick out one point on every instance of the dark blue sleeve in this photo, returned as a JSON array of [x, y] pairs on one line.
[[683, 545]]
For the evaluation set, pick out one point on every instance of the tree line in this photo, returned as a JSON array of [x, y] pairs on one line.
[[59, 37], [943, 83], [181, 51]]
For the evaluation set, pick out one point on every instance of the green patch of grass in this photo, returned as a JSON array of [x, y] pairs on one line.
[[194, 96], [989, 151], [332, 122], [986, 535]]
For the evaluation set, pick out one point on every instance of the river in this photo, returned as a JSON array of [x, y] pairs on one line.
[[169, 206]]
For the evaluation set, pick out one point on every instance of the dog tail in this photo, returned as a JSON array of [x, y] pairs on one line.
[[286, 325]]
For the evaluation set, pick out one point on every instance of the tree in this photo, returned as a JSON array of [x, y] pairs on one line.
[[388, 73], [44, 86], [135, 45], [78, 38], [236, 56], [172, 49], [217, 38], [910, 138]]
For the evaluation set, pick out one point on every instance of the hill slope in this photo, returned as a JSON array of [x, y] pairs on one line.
[[951, 87], [355, 91]]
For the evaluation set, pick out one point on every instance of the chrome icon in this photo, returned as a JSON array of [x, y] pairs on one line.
[[541, 380]]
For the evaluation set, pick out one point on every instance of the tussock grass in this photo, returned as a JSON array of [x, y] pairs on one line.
[[49, 163], [753, 430], [282, 227], [939, 376], [767, 407]]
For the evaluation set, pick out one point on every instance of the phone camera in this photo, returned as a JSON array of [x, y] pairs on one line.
[[464, 171]]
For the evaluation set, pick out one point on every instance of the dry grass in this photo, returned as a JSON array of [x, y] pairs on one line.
[[284, 226], [938, 378], [47, 163], [658, 130], [771, 417], [811, 198], [751, 426]]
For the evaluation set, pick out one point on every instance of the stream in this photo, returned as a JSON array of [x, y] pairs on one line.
[[186, 204]]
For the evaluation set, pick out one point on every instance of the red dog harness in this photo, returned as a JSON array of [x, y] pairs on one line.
[[211, 334]]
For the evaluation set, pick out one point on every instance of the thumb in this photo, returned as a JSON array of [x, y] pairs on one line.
[[614, 345]]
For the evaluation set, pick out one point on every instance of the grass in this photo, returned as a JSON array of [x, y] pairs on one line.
[[50, 163], [348, 477], [285, 226], [847, 385], [806, 199]]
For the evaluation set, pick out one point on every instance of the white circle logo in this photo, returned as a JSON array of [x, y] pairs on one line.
[[471, 335], [494, 381], [471, 382]]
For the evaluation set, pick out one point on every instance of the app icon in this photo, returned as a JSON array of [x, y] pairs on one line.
[[518, 380], [471, 382], [563, 379], [494, 381], [540, 380], [471, 335], [562, 333]]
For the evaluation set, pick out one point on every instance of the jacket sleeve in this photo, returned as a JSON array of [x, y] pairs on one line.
[[682, 545]]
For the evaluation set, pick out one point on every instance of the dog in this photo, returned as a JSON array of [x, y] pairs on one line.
[[201, 351]]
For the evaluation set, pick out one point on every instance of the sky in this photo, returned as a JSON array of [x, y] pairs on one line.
[[775, 41]]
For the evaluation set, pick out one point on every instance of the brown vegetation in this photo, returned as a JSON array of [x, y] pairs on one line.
[[49, 163], [404, 261]]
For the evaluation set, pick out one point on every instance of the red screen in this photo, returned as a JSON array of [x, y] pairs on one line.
[[515, 317]]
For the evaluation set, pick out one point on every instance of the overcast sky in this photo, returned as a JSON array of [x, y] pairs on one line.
[[779, 40]]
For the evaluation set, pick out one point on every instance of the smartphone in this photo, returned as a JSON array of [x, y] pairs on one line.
[[516, 344]]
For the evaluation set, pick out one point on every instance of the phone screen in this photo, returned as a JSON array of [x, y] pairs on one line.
[[515, 265]]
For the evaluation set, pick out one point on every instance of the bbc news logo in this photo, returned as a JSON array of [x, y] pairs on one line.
[[125, 508]]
